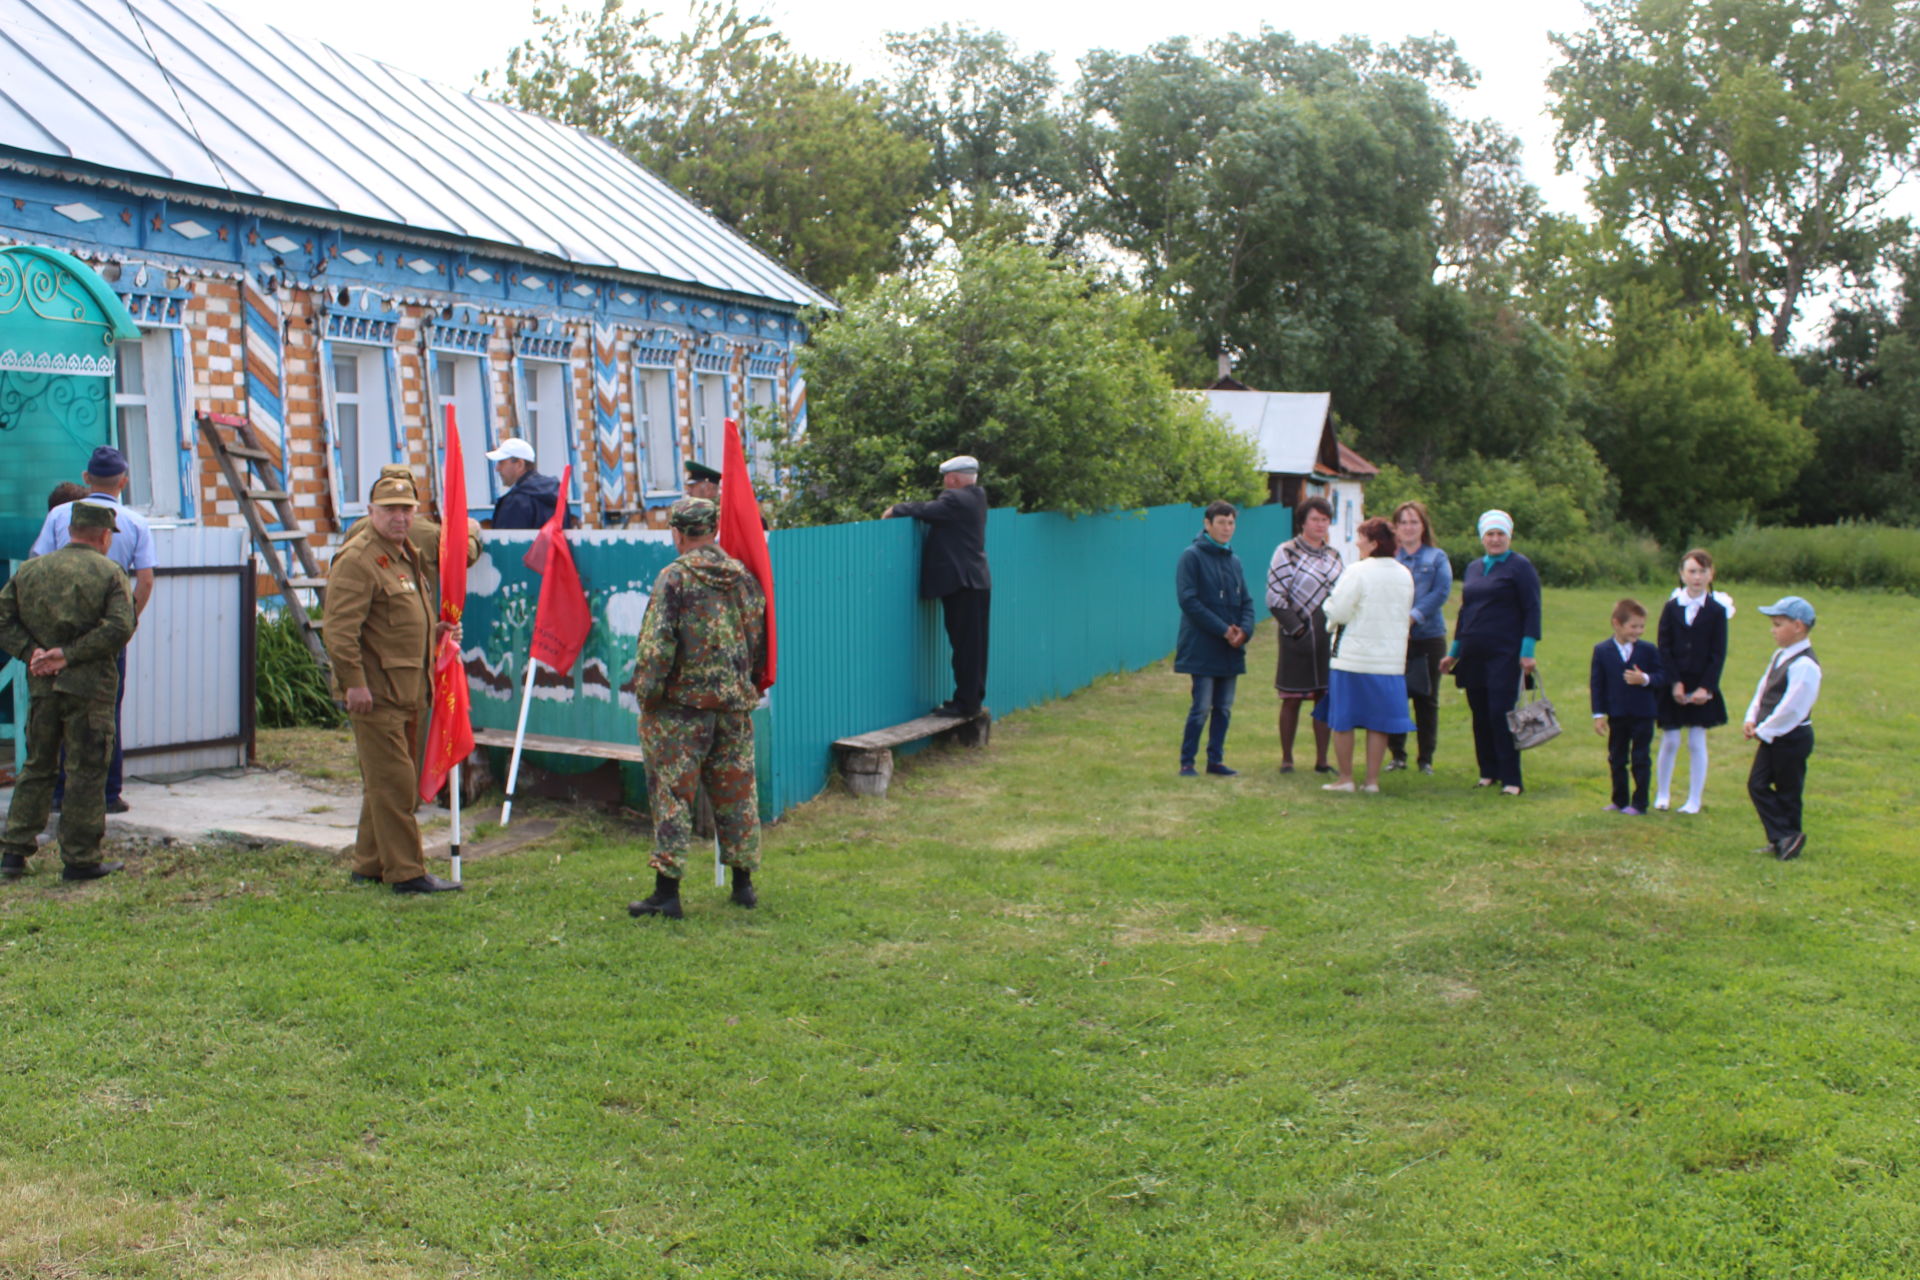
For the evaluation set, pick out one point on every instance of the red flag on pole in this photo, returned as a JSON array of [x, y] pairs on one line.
[[451, 739], [561, 620], [744, 537]]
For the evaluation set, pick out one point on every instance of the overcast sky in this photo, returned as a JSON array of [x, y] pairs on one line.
[[452, 41]]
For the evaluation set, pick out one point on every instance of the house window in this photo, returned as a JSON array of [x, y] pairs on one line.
[[146, 420], [659, 428], [457, 383], [710, 417], [361, 421], [768, 429], [546, 384]]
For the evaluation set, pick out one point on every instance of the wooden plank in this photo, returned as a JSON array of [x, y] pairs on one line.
[[897, 735], [286, 535], [267, 495], [562, 746], [256, 455]]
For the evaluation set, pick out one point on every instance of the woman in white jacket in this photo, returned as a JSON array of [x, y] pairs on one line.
[[1372, 606]]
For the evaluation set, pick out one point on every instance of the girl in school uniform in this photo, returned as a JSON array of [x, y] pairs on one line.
[[1693, 649]]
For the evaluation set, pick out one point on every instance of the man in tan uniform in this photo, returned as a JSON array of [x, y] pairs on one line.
[[424, 533], [380, 630]]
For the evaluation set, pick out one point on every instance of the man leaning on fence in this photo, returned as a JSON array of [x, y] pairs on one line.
[[702, 642], [953, 569], [69, 613]]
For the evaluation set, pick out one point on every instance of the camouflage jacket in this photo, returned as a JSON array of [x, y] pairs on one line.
[[704, 636], [75, 600]]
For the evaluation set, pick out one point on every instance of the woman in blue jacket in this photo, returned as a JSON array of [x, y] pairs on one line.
[[1216, 621], [1427, 638], [1493, 646]]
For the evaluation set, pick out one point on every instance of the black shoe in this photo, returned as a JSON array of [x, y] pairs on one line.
[[117, 805], [664, 901], [91, 870], [12, 866], [1221, 771], [1325, 768], [1789, 849], [743, 894], [354, 877], [426, 884], [948, 709], [1188, 771]]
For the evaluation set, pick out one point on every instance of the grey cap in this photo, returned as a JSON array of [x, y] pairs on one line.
[[965, 462]]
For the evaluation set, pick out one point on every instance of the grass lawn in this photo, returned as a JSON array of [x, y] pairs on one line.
[[1047, 1011]]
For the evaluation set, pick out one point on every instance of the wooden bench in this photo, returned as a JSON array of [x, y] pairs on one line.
[[626, 752], [866, 759]]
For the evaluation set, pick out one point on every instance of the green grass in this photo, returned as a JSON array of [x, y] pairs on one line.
[[1046, 1011]]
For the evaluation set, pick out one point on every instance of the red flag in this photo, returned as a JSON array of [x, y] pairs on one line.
[[743, 536], [561, 620], [451, 739]]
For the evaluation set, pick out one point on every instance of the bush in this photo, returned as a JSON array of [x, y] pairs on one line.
[[1593, 560], [289, 690], [1841, 556]]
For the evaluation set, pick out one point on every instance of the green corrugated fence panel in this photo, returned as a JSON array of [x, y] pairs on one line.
[[1073, 599]]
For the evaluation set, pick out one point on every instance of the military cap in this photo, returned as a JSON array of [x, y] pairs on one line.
[[106, 462], [392, 491], [94, 515], [695, 517], [701, 471]]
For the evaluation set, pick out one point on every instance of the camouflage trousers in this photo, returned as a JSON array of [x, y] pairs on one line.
[[685, 747], [84, 726]]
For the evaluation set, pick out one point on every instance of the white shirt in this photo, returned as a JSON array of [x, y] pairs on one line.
[[1796, 706], [1690, 605]]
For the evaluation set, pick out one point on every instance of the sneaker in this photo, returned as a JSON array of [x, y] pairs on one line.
[[1188, 771], [1427, 769], [1221, 771], [1789, 849], [1396, 764]]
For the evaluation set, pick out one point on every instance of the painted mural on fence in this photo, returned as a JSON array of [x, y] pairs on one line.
[[595, 701]]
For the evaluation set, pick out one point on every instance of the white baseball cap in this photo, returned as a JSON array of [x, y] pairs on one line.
[[512, 449]]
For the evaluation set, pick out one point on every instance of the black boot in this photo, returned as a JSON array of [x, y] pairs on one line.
[[664, 902], [12, 866], [743, 894]]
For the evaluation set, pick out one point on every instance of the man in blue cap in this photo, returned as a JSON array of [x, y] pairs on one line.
[[105, 480]]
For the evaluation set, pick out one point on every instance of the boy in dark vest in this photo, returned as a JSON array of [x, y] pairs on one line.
[[1780, 717]]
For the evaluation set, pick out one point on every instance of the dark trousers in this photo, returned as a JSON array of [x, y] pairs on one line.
[[1630, 736], [1426, 706], [1211, 694], [1778, 777], [966, 612], [1492, 740], [118, 763]]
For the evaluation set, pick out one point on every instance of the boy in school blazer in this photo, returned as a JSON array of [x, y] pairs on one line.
[[1625, 672]]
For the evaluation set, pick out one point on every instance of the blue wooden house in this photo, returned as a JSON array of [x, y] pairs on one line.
[[339, 250]]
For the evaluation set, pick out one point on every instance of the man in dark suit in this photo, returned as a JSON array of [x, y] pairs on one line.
[[1622, 679], [953, 568]]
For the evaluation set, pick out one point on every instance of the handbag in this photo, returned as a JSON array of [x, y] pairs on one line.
[[1532, 720], [1419, 674]]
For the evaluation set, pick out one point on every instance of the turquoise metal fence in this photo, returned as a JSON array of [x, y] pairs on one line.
[[1073, 599]]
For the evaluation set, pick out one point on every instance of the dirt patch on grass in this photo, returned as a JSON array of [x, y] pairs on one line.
[[1211, 933]]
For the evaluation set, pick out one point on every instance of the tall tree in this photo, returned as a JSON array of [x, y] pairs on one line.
[[987, 115], [786, 149], [1032, 365], [1752, 145]]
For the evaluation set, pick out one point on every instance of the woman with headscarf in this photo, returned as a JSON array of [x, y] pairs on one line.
[[1302, 573], [1493, 644]]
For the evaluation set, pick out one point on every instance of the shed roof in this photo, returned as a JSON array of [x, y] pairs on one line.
[[1291, 428], [179, 91]]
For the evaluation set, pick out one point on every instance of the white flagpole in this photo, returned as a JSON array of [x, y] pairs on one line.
[[454, 846], [519, 737]]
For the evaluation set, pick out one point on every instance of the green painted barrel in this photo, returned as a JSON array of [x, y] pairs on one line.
[[59, 322]]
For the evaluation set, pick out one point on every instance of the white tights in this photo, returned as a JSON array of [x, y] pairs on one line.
[[1696, 767]]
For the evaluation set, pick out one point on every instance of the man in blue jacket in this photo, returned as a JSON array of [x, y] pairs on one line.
[[1216, 621], [531, 497]]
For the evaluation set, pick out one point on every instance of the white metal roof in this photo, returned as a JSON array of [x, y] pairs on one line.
[[1286, 425], [180, 91]]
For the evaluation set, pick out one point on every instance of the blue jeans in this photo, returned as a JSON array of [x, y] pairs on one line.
[[1215, 694]]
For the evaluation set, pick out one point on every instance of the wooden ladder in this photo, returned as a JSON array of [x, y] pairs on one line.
[[249, 472]]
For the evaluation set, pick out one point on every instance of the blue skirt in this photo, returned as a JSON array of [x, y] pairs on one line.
[[1357, 701]]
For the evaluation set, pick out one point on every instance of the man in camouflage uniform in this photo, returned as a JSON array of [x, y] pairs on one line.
[[69, 612], [701, 644]]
